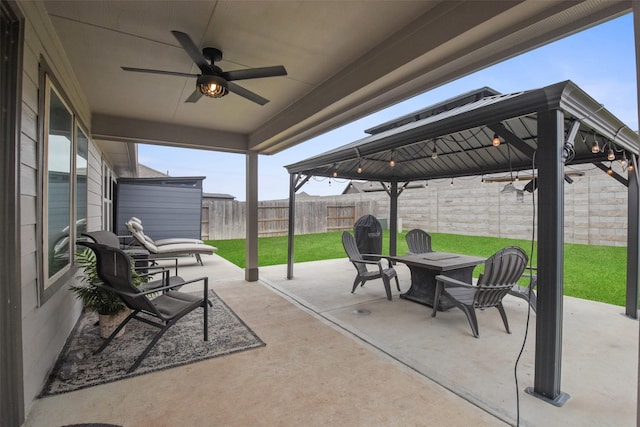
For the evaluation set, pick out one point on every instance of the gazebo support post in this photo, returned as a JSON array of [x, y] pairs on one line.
[[633, 241], [393, 218], [291, 225], [548, 353]]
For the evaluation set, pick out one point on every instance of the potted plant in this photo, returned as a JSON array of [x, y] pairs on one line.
[[110, 308]]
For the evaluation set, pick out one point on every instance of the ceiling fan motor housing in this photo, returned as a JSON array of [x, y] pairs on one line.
[[212, 54]]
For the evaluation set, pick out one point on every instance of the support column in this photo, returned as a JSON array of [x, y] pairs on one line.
[[393, 218], [548, 354], [636, 32], [251, 264], [12, 404], [633, 241], [291, 226]]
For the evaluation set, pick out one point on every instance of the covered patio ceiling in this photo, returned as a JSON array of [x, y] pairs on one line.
[[454, 138], [345, 60], [542, 130]]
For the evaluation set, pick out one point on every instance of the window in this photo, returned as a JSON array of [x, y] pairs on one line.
[[107, 197], [58, 188], [64, 154], [82, 165]]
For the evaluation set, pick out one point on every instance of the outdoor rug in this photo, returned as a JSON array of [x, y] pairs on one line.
[[77, 366]]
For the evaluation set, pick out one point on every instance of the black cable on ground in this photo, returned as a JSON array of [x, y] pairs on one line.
[[526, 330]]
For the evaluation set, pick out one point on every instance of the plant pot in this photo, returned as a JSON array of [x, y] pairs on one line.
[[109, 323]]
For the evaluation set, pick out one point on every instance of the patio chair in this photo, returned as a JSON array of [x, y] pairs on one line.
[[527, 293], [419, 241], [363, 273], [161, 311], [501, 272], [141, 257], [170, 250], [135, 224]]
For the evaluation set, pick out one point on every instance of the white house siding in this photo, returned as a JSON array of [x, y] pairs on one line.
[[44, 327], [94, 188]]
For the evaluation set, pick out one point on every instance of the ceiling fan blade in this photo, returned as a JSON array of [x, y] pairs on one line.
[[238, 90], [168, 73], [195, 96], [255, 73], [194, 52]]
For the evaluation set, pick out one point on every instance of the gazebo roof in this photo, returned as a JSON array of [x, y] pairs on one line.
[[461, 130]]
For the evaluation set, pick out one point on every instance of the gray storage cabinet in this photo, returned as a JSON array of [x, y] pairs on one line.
[[168, 206]]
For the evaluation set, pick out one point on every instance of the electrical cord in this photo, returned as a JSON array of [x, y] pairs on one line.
[[526, 330]]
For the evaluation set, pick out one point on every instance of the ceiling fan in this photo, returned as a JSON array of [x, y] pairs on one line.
[[214, 82]]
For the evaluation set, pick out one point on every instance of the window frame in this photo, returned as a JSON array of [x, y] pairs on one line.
[[48, 286]]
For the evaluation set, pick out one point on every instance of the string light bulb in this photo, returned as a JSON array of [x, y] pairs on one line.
[[610, 154], [496, 140], [595, 148], [392, 162], [359, 168], [624, 162], [610, 171], [434, 153]]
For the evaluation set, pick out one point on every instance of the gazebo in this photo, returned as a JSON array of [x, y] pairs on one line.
[[484, 132]]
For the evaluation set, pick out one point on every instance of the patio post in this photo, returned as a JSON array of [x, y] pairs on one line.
[[393, 217], [633, 241], [291, 225], [548, 353], [251, 267]]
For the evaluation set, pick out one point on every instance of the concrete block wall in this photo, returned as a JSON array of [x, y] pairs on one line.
[[595, 208]]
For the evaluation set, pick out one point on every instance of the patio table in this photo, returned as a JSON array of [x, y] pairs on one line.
[[426, 266]]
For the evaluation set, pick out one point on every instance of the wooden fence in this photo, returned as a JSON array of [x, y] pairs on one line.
[[225, 219]]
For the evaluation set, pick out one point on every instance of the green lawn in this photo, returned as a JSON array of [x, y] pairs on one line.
[[596, 273]]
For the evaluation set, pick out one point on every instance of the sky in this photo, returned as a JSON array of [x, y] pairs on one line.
[[600, 60]]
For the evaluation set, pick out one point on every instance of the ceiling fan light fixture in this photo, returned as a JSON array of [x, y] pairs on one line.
[[213, 86]]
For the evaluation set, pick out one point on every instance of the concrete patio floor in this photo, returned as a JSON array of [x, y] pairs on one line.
[[326, 363]]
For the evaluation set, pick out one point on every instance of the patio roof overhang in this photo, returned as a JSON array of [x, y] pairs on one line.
[[543, 129], [462, 137]]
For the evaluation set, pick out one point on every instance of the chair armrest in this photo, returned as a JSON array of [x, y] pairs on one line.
[[153, 260], [156, 290], [448, 281], [380, 258], [532, 275], [442, 282], [364, 261]]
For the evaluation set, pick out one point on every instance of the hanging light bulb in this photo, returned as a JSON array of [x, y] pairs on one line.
[[434, 153], [496, 140], [624, 162], [595, 148], [392, 162], [335, 170], [610, 171], [451, 183], [360, 167], [610, 154]]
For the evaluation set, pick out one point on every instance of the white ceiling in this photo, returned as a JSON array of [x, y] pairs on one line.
[[345, 59]]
